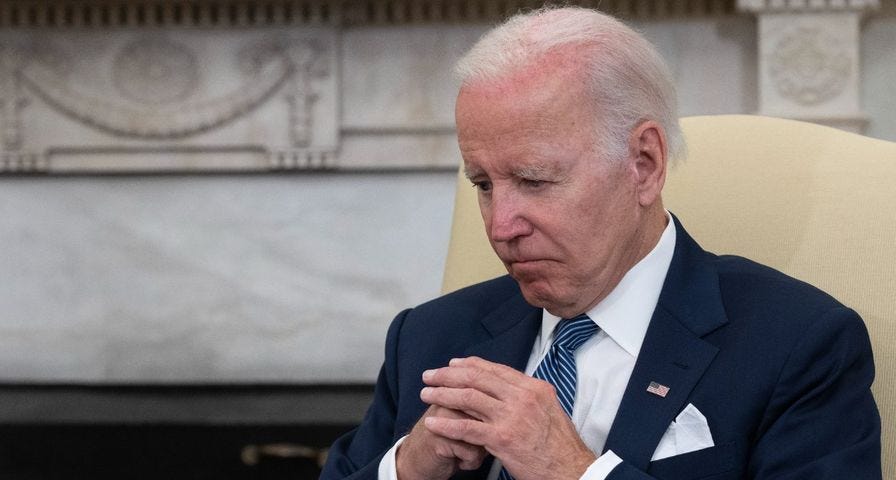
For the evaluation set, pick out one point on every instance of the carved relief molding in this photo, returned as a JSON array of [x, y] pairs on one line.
[[269, 97], [429, 11], [155, 76], [241, 13], [155, 13], [12, 99], [803, 6], [809, 59]]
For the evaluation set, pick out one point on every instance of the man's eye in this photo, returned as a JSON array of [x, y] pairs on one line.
[[533, 183], [482, 186]]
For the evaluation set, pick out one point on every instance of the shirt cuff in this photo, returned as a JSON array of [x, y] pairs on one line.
[[601, 468], [387, 469]]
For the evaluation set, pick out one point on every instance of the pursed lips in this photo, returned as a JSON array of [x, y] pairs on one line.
[[512, 257], [525, 262]]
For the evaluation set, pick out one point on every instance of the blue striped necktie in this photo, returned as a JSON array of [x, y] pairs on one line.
[[559, 365]]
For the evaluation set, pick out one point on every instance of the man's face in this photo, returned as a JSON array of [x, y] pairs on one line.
[[564, 220]]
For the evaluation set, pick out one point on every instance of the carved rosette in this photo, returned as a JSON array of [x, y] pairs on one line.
[[155, 71], [809, 66]]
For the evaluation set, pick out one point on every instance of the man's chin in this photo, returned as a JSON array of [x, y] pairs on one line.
[[536, 294]]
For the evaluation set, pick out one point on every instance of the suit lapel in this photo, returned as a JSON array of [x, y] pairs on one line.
[[512, 328], [673, 353]]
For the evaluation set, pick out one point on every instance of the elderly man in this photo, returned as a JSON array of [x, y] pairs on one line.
[[644, 356]]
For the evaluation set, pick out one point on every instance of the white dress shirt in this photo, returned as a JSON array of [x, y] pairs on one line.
[[605, 362]]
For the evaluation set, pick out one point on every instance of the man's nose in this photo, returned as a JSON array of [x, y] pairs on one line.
[[506, 219]]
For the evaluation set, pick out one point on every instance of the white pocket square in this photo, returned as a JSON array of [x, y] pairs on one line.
[[688, 433]]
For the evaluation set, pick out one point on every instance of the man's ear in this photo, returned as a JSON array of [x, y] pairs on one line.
[[647, 146]]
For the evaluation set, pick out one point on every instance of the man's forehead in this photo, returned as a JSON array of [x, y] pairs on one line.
[[561, 65]]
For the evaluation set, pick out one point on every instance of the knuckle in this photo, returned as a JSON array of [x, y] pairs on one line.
[[532, 397], [467, 396], [545, 389], [473, 375], [500, 367], [503, 439], [443, 450], [481, 455], [464, 451], [462, 427]]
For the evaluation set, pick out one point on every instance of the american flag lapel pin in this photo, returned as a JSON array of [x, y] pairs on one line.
[[658, 389]]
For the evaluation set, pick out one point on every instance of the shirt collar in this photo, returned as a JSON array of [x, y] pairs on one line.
[[626, 312]]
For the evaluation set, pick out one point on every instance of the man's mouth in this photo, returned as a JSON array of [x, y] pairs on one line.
[[524, 263]]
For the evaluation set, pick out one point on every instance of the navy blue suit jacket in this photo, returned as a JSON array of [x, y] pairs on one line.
[[781, 371]]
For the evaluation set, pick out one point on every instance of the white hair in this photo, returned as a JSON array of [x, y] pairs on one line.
[[628, 82]]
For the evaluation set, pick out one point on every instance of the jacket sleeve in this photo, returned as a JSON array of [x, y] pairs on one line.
[[821, 421], [357, 454]]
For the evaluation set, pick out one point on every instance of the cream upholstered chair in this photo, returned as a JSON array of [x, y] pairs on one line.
[[812, 201]]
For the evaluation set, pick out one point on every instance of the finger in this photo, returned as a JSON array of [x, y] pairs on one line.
[[474, 462], [504, 371], [468, 457], [470, 431], [463, 377], [498, 381], [498, 370], [520, 382], [441, 411], [467, 400]]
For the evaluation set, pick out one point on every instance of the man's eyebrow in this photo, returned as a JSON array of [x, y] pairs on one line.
[[471, 172], [535, 171]]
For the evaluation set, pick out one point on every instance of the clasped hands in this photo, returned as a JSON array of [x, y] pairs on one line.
[[479, 408]]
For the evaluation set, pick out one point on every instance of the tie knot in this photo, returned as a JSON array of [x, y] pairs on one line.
[[571, 333]]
